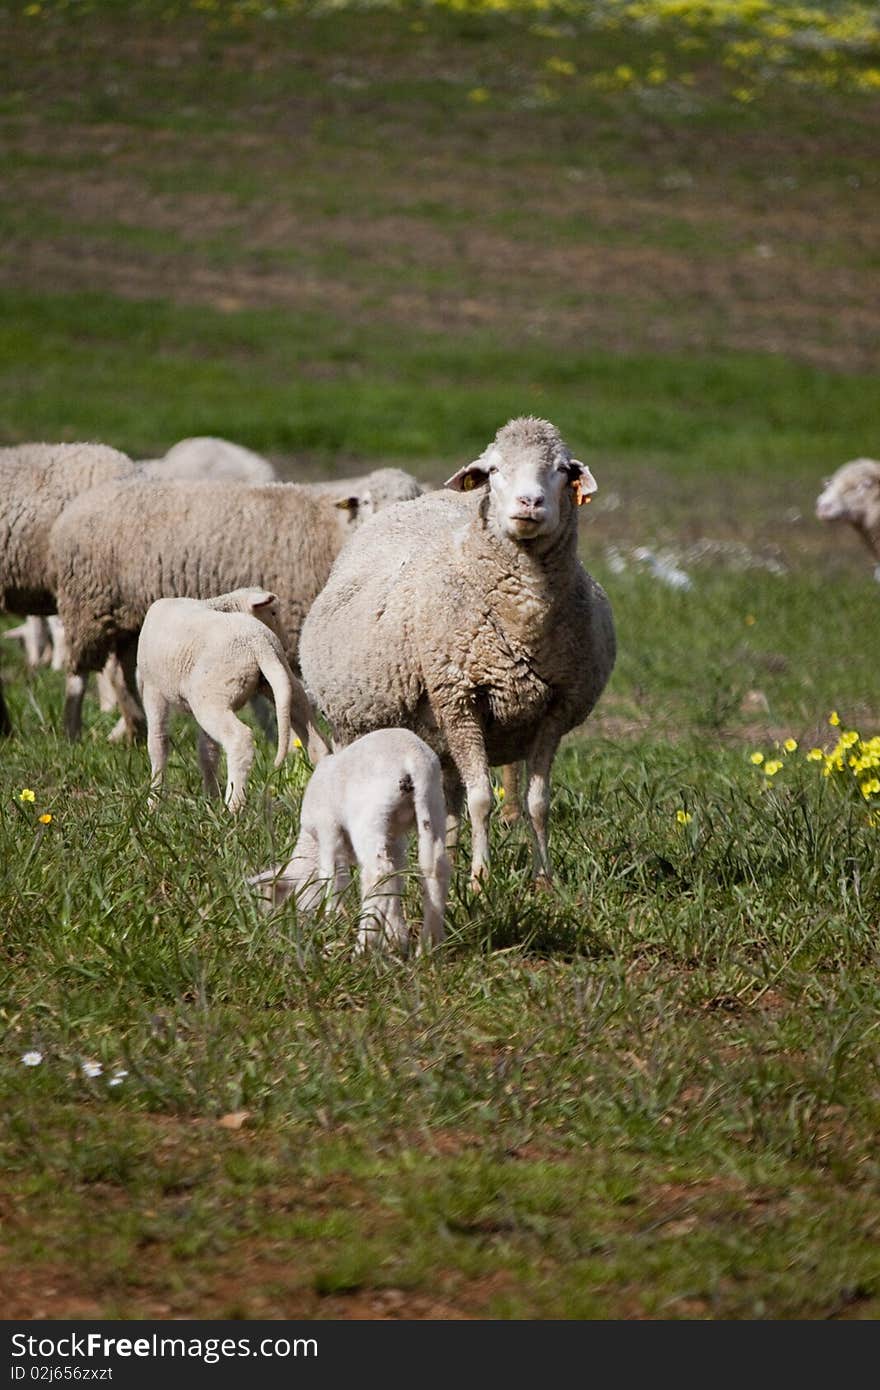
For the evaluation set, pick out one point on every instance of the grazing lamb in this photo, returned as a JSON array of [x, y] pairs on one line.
[[209, 657], [358, 808], [853, 494], [466, 616], [118, 548]]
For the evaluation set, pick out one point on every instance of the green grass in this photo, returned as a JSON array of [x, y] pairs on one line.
[[654, 1091]]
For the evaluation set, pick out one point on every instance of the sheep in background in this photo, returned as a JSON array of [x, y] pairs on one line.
[[466, 616], [36, 481], [359, 806], [117, 549], [209, 656], [204, 457], [852, 494]]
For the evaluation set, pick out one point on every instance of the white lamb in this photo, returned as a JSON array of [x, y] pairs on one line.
[[358, 808], [209, 656]]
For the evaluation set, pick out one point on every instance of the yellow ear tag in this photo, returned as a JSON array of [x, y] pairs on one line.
[[581, 496], [468, 483]]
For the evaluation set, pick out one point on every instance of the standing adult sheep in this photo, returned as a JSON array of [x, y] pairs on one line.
[[466, 616], [119, 548], [36, 482]]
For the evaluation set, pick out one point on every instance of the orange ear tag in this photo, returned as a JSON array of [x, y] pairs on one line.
[[468, 482], [581, 496]]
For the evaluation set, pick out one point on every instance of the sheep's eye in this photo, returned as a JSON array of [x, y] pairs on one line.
[[493, 468]]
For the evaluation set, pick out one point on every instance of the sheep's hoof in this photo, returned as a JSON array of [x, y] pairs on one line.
[[510, 814], [543, 884], [478, 882]]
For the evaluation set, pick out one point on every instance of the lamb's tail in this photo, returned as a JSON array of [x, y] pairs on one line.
[[429, 804], [292, 706], [280, 677]]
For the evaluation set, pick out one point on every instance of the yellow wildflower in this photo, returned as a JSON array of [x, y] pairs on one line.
[[561, 66], [478, 95], [834, 718], [297, 743], [871, 788], [771, 768], [756, 758], [499, 793], [26, 794], [750, 620], [683, 817], [45, 819], [815, 755], [848, 738], [790, 745]]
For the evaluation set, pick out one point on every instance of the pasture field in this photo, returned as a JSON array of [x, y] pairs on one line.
[[344, 236]]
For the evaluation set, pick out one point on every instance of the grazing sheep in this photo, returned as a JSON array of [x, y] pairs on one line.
[[185, 539], [36, 481], [358, 808], [853, 494], [204, 457], [466, 616], [209, 656]]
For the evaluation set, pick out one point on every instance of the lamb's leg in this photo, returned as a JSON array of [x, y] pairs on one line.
[[538, 766], [333, 865], [382, 916], [5, 721], [237, 742], [464, 738], [209, 760], [435, 888], [156, 709]]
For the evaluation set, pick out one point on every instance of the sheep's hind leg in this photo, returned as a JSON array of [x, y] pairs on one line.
[[120, 669], [540, 761], [382, 916], [237, 742]]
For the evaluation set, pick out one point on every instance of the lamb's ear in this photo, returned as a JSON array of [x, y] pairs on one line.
[[472, 475], [583, 484], [262, 599]]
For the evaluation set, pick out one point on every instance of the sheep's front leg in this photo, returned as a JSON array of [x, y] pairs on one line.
[[465, 740], [538, 766], [157, 710]]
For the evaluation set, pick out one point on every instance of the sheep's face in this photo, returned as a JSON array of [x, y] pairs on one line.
[[852, 494], [532, 478]]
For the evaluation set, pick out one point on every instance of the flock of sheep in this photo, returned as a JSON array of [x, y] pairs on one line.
[[439, 634]]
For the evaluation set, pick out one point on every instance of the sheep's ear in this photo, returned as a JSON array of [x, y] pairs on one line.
[[262, 600], [583, 484], [472, 475], [348, 504]]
